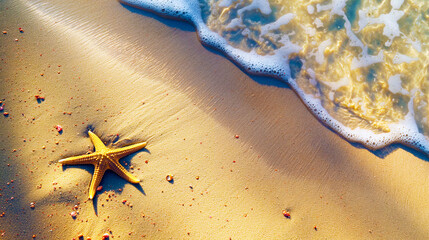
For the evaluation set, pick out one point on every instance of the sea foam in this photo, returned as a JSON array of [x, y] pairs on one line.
[[359, 66]]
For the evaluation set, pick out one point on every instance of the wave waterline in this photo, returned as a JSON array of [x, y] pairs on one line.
[[360, 67]]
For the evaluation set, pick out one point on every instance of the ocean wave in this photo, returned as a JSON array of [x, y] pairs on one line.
[[361, 67]]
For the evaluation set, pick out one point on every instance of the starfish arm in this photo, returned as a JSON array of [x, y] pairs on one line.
[[98, 144], [96, 179], [122, 172], [122, 152], [82, 159]]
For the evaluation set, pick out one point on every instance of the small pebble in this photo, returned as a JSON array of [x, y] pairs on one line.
[[38, 97], [105, 236], [236, 136], [99, 188], [4, 32], [286, 214], [73, 214], [169, 178]]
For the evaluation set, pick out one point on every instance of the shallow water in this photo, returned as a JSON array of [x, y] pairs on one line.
[[360, 66]]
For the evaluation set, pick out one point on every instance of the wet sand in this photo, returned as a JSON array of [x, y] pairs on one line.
[[241, 148]]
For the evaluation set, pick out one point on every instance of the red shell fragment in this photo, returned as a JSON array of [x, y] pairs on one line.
[[38, 97], [60, 129], [286, 214]]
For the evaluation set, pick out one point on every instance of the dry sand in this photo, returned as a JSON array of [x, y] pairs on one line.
[[132, 76]]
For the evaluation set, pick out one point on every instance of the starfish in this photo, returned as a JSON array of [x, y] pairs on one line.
[[104, 159]]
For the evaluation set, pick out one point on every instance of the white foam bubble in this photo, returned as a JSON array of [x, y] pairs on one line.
[[320, 56], [235, 23], [262, 5], [283, 20], [338, 84], [225, 3], [401, 58], [318, 23], [395, 85], [396, 4], [367, 60], [416, 44], [309, 30], [310, 9]]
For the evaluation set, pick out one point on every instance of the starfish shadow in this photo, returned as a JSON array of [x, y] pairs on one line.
[[113, 183]]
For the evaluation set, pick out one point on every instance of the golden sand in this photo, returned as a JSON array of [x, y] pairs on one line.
[[131, 76]]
